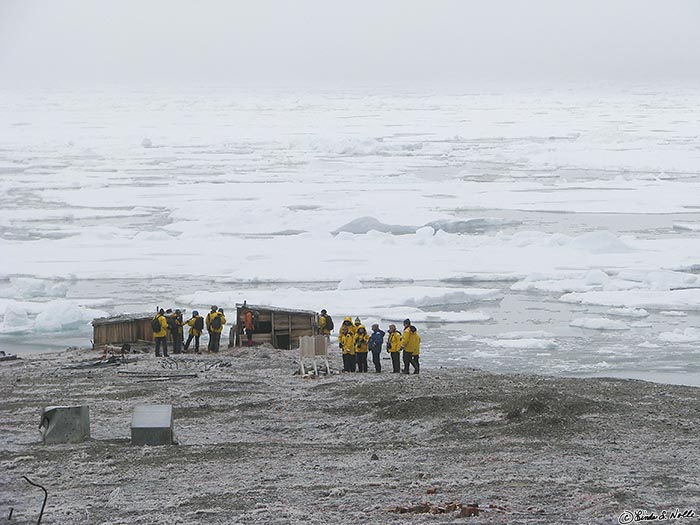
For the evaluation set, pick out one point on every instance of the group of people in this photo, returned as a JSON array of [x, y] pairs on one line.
[[355, 344], [169, 325], [353, 339]]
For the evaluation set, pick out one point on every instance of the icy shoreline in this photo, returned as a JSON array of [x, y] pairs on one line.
[[259, 445]]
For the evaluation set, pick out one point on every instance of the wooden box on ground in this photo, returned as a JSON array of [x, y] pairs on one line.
[[279, 327]]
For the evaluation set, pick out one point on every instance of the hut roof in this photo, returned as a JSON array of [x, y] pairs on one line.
[[121, 318], [275, 309]]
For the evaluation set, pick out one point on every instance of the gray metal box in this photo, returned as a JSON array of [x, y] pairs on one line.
[[152, 425]]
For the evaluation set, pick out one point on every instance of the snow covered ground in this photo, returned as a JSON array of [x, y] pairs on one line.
[[476, 214]]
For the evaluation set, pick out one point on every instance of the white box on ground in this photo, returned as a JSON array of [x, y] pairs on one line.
[[152, 425], [65, 424]]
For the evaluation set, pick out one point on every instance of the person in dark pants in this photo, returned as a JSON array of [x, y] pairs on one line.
[[196, 325], [415, 349], [406, 345], [215, 325], [393, 346], [159, 324], [376, 340], [361, 340], [346, 340], [325, 324], [248, 327], [175, 327]]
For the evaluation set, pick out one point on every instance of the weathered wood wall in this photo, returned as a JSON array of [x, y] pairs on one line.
[[278, 328], [123, 332]]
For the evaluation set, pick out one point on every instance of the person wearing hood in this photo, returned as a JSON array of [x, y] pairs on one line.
[[415, 349], [346, 341], [175, 327], [196, 325], [347, 323], [376, 340], [160, 335], [406, 345], [393, 346], [325, 324], [357, 324], [215, 324], [248, 326], [361, 348]]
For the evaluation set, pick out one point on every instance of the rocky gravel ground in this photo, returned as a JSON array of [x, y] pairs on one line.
[[259, 444]]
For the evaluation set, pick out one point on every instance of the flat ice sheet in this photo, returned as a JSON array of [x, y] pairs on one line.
[[116, 201]]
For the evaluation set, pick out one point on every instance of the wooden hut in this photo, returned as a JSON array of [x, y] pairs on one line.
[[124, 328], [279, 327]]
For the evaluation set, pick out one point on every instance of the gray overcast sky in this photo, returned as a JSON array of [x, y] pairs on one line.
[[265, 41]]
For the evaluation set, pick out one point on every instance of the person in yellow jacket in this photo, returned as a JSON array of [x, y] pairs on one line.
[[357, 324], [361, 348], [347, 322], [414, 343], [215, 322], [393, 346], [325, 323], [196, 325], [406, 345], [346, 340], [161, 335]]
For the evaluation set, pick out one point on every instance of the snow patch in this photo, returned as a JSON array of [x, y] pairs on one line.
[[366, 224], [661, 279], [648, 344], [681, 299], [522, 344], [30, 288], [598, 323], [628, 312], [442, 317], [592, 280], [53, 316], [15, 320], [526, 334], [687, 226], [673, 313], [350, 283], [474, 225], [598, 242], [465, 296], [363, 225], [689, 335]]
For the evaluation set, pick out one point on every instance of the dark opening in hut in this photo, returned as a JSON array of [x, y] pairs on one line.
[[279, 327]]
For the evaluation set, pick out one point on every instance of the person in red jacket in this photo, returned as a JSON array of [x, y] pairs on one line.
[[249, 327]]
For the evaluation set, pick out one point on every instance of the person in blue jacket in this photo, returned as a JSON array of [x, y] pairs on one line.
[[376, 340]]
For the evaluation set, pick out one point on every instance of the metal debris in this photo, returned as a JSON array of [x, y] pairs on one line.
[[46, 496]]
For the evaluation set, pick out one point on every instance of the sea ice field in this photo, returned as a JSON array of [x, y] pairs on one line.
[[546, 230]]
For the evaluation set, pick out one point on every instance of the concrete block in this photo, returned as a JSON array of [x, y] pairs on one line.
[[152, 425], [65, 424]]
